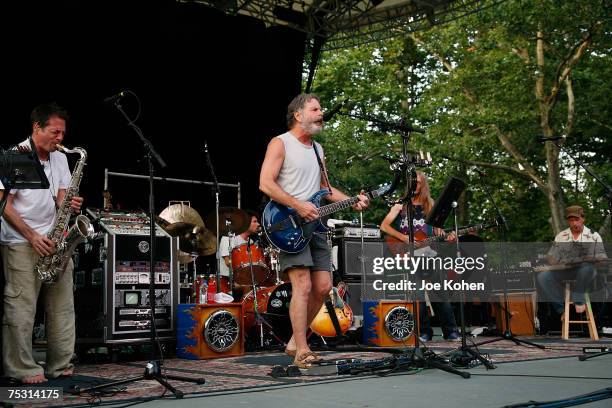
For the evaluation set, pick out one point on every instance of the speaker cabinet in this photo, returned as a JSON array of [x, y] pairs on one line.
[[388, 323], [521, 307], [350, 256], [210, 331]]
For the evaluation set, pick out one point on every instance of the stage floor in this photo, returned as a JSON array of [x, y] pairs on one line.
[[522, 374]]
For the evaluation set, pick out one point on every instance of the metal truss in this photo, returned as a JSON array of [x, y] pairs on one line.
[[345, 23]]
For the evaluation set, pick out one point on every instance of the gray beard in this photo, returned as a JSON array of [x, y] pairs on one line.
[[311, 128]]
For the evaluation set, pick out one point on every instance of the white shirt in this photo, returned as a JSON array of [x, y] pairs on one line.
[[224, 250], [567, 249], [37, 207], [299, 175]]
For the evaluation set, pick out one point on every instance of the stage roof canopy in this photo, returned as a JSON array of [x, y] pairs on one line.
[[344, 23]]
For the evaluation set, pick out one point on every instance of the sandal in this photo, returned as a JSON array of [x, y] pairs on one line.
[[290, 352], [307, 359]]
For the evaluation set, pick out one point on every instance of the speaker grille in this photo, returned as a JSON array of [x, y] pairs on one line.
[[351, 257]]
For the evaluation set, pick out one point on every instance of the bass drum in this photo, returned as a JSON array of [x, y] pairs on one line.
[[273, 305]]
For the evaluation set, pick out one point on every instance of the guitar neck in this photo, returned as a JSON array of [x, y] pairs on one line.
[[443, 236], [341, 205]]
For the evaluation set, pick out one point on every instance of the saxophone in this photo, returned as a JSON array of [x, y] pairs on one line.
[[50, 268]]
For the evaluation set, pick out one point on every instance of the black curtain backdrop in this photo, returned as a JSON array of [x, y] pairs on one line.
[[200, 76]]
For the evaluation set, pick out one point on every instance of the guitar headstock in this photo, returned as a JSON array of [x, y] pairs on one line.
[[382, 190]]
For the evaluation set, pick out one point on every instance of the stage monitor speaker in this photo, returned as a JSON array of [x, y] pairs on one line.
[[210, 331], [350, 266], [521, 307], [388, 323]]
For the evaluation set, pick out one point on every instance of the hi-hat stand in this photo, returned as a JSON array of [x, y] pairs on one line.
[[153, 368]]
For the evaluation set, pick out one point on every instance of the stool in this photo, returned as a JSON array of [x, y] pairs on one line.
[[590, 320]]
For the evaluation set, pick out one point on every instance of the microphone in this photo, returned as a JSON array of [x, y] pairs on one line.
[[115, 97], [328, 115], [550, 139]]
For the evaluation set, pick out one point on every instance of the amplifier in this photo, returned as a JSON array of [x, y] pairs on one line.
[[112, 274], [521, 307], [356, 232], [350, 256], [514, 278]]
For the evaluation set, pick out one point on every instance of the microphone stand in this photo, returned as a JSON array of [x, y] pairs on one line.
[[507, 334], [153, 368], [420, 354], [464, 350], [259, 319], [216, 189]]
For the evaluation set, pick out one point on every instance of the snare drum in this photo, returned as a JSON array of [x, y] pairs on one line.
[[273, 305], [241, 265]]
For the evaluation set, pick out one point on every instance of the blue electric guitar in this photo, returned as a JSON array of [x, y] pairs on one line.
[[289, 232]]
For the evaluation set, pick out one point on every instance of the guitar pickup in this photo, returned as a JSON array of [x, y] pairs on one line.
[[293, 221]]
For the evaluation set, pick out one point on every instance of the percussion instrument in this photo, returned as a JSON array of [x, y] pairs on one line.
[[273, 305], [242, 262]]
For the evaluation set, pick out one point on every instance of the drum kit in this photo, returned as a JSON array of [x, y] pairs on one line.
[[254, 265]]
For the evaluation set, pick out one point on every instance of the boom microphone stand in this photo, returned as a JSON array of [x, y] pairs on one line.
[[507, 334], [153, 368], [420, 354], [464, 350]]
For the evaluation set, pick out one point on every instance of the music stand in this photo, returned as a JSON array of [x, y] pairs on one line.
[[443, 205], [21, 170]]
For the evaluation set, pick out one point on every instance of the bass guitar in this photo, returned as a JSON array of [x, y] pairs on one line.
[[323, 323], [289, 232]]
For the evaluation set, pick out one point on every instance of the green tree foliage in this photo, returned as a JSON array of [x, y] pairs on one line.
[[485, 87]]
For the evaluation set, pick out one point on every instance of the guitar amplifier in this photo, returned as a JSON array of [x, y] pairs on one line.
[[357, 232], [350, 256]]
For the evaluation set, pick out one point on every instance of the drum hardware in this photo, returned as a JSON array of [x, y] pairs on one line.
[[235, 221], [230, 237], [272, 256], [259, 319], [230, 220]]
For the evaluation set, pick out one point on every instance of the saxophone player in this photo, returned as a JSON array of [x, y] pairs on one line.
[[28, 217]]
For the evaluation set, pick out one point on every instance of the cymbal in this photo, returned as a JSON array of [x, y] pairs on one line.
[[182, 221], [230, 219], [193, 239], [181, 213]]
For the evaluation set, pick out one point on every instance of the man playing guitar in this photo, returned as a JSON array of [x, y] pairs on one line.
[[292, 171]]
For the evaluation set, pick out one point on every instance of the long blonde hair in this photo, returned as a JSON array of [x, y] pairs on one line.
[[424, 196]]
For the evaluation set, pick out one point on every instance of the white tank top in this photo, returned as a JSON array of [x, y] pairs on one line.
[[300, 175]]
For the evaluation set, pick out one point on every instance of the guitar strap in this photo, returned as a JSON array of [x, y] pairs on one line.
[[322, 167]]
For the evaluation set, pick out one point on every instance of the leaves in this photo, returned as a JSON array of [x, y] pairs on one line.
[[472, 84]]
